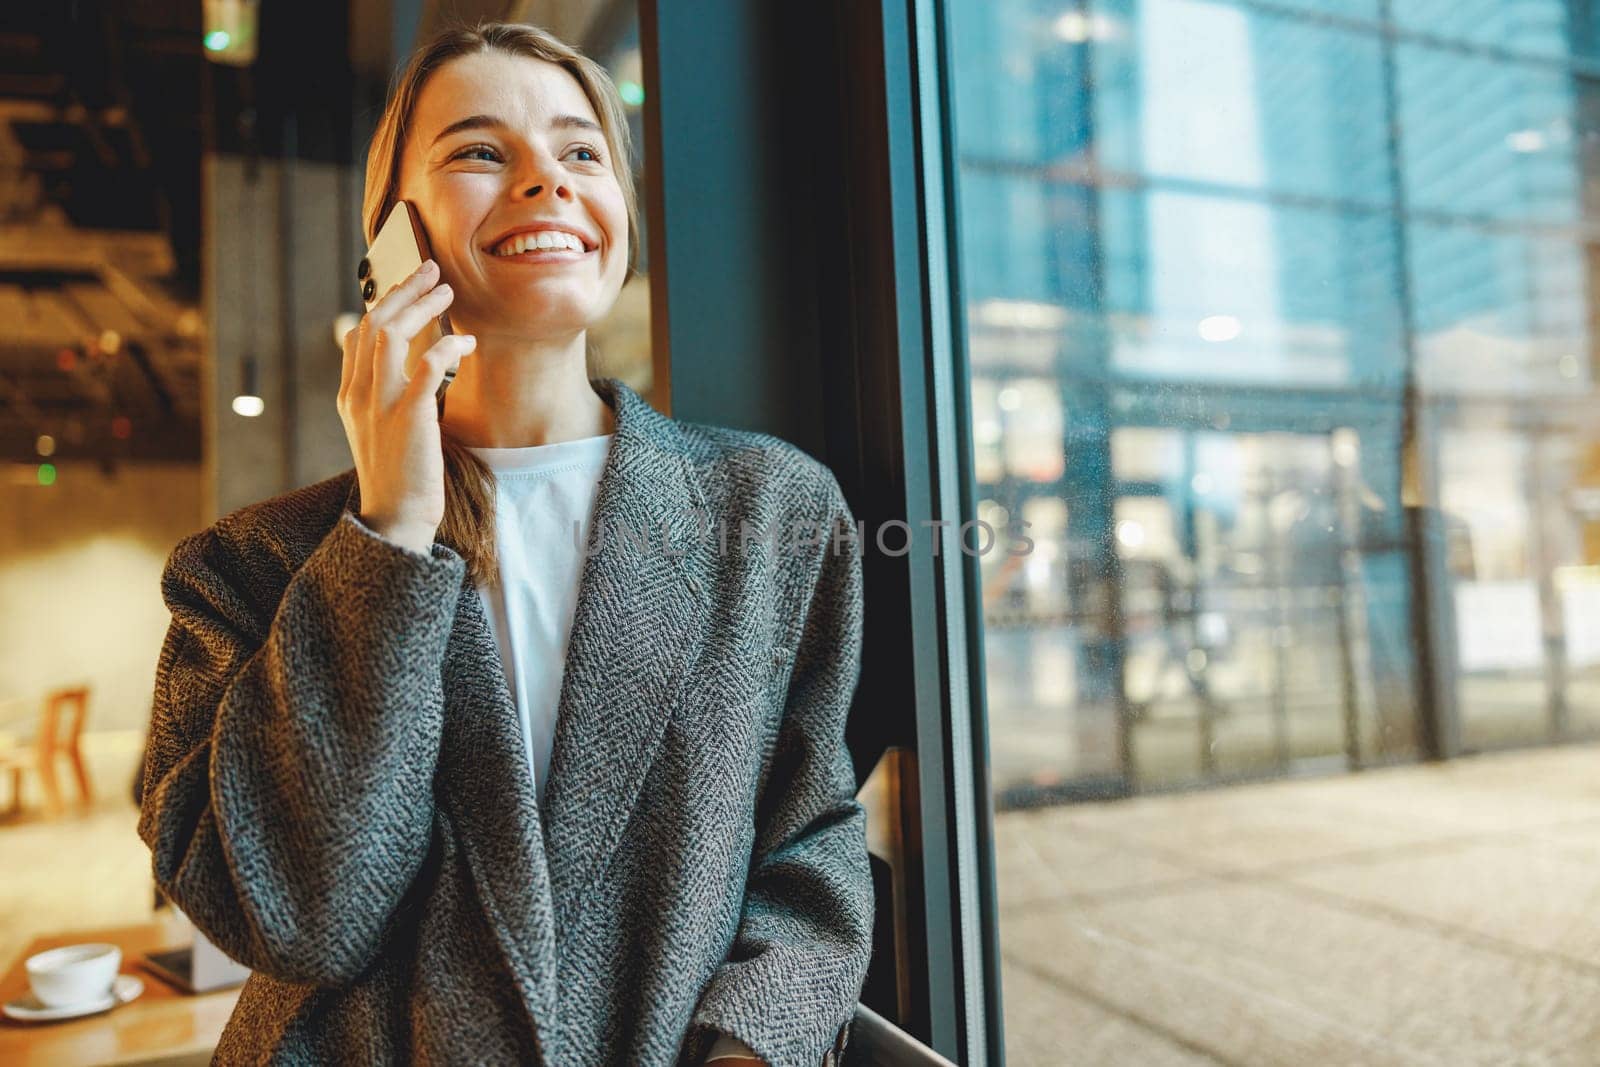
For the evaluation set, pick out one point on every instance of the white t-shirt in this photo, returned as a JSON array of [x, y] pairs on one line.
[[541, 492]]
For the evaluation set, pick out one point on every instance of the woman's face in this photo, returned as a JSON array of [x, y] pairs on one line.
[[535, 154]]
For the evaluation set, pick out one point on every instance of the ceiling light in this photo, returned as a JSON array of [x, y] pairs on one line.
[[230, 31], [249, 403]]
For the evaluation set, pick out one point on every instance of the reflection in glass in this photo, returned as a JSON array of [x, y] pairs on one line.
[[1280, 321]]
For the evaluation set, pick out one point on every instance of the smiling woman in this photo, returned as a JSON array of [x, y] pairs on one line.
[[456, 785], [496, 132]]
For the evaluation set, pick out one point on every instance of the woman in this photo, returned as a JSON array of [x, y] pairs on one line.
[[354, 717]]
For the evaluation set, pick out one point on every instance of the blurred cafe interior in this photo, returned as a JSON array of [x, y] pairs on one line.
[[1275, 324]]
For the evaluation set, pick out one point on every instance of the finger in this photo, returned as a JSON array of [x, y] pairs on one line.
[[417, 282], [396, 338], [365, 341], [441, 356], [347, 368], [410, 320]]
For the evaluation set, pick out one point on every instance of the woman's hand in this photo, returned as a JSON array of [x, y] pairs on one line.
[[393, 424]]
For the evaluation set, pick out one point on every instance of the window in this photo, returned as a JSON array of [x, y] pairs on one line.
[[1280, 326]]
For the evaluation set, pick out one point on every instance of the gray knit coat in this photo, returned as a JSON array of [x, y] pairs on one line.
[[337, 794]]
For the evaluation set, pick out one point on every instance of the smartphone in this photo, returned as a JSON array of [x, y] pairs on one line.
[[396, 253]]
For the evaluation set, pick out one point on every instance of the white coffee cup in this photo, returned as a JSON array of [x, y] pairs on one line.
[[73, 974]]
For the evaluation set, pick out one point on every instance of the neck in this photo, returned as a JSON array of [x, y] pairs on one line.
[[526, 393]]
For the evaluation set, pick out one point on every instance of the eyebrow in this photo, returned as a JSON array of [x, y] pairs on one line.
[[478, 122]]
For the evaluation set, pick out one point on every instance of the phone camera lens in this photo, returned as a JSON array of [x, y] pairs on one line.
[[368, 289], [364, 269]]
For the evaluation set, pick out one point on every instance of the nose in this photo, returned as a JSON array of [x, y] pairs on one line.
[[562, 192], [560, 189]]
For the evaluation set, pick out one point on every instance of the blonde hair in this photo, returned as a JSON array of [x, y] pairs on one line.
[[468, 525]]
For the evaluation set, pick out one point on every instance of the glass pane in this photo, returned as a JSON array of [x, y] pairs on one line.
[[1205, 93], [1487, 139], [1543, 28], [1201, 292], [1281, 332], [1499, 312]]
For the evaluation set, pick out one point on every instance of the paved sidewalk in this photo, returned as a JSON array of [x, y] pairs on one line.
[[1431, 914]]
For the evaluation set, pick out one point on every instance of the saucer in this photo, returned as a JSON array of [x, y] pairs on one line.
[[28, 1007]]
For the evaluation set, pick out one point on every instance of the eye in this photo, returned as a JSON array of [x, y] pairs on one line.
[[475, 148]]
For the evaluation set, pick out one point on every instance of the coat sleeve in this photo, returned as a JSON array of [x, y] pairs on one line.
[[789, 986], [287, 782]]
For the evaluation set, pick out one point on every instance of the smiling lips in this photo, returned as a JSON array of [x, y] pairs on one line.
[[543, 255], [545, 245], [541, 238], [553, 248]]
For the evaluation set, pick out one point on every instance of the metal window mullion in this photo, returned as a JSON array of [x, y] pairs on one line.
[[931, 103]]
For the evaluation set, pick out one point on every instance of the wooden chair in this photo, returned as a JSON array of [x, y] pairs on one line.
[[55, 740]]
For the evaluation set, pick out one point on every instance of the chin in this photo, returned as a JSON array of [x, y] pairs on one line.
[[529, 317]]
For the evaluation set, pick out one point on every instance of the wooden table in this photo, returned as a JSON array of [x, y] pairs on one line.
[[164, 1025]]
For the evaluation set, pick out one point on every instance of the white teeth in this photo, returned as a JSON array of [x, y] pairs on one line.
[[542, 239]]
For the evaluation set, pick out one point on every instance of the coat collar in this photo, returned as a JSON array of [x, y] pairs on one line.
[[639, 622]]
